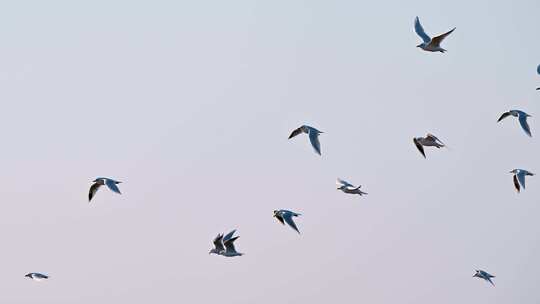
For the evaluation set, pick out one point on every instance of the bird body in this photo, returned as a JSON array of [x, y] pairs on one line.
[[286, 216], [522, 118], [429, 44], [313, 136], [484, 275], [348, 188], [100, 181], [36, 276], [429, 140]]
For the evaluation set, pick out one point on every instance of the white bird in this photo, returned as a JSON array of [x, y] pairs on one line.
[[37, 276], [286, 216], [430, 44], [484, 275], [224, 245], [348, 188], [429, 140], [519, 178], [313, 136], [100, 181], [522, 117]]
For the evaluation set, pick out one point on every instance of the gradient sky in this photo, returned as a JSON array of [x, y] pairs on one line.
[[190, 103]]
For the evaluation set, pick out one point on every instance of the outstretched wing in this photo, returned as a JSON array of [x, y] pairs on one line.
[[419, 147], [525, 125], [437, 40], [288, 218], [314, 139], [93, 189], [295, 132], [420, 30], [218, 242], [229, 244], [516, 183], [112, 185], [228, 236], [341, 182], [503, 116], [280, 219], [434, 138], [521, 178]]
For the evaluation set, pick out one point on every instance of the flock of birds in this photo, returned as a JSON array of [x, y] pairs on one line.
[[224, 244]]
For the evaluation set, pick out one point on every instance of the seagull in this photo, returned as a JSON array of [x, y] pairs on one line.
[[37, 276], [224, 245], [484, 275], [519, 178], [286, 216], [100, 181], [348, 188], [313, 136], [429, 141], [522, 117], [430, 44]]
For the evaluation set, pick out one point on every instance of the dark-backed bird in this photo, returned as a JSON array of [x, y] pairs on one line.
[[100, 181], [313, 136], [430, 44], [519, 178], [286, 216], [484, 275], [346, 187], [521, 116], [429, 140]]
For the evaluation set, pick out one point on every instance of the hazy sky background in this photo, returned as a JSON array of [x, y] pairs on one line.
[[190, 105]]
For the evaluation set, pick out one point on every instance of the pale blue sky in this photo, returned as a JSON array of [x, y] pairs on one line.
[[190, 105]]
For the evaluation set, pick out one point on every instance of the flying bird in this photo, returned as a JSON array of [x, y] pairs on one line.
[[484, 275], [429, 140], [519, 178], [522, 117], [430, 44], [538, 69], [286, 216], [224, 245], [100, 181], [348, 188], [313, 136], [37, 276]]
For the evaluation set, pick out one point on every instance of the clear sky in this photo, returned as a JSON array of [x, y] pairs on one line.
[[190, 103]]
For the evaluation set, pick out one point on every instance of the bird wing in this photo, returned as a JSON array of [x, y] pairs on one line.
[[521, 178], [229, 244], [228, 236], [341, 182], [112, 185], [280, 219], [218, 242], [437, 40], [503, 116], [288, 218], [93, 189], [434, 138], [516, 183], [489, 280], [419, 147], [420, 30], [314, 139], [524, 124], [295, 132]]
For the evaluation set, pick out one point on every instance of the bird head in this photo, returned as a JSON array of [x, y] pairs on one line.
[[275, 213], [420, 45], [28, 275], [514, 172], [213, 250]]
